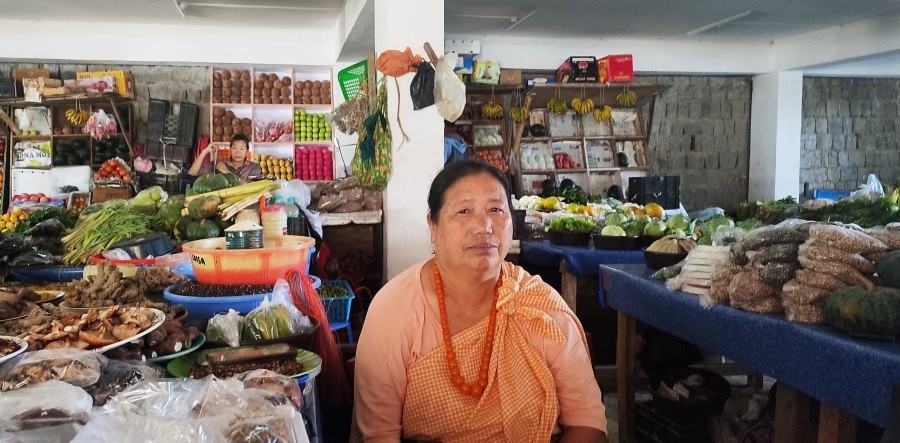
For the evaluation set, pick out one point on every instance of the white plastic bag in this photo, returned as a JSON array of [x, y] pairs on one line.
[[449, 91], [226, 328], [872, 190]]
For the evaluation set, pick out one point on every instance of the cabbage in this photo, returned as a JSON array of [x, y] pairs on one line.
[[655, 228]]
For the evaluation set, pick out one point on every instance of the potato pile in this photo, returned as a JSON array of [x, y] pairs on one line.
[[312, 92], [226, 124], [271, 90], [232, 86]]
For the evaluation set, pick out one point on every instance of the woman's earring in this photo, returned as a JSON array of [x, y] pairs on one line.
[[432, 248]]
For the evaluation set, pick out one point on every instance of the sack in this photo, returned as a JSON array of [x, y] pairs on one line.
[[372, 163], [422, 87]]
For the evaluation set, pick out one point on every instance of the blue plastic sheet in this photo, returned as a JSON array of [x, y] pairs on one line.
[[581, 261]]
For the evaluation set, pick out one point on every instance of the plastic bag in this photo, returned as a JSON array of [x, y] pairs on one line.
[[352, 194], [118, 376], [814, 251], [148, 200], [35, 258], [50, 412], [100, 124], [372, 200], [422, 87], [225, 328], [349, 207], [274, 382], [297, 189], [872, 190], [277, 318], [449, 90], [178, 399], [47, 228], [846, 239], [348, 117], [74, 366]]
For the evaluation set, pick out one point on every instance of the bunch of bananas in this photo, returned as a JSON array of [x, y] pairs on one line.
[[582, 105], [557, 106], [603, 113], [518, 114], [626, 99], [894, 196], [491, 111], [77, 117], [672, 244]]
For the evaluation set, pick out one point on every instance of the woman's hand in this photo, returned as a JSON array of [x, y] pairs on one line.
[[222, 167]]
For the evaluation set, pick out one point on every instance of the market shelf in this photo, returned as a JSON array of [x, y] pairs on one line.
[[535, 139], [325, 107], [488, 146], [235, 104], [571, 171], [538, 171]]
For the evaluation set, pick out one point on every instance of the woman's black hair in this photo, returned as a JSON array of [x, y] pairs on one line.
[[239, 138], [452, 173]]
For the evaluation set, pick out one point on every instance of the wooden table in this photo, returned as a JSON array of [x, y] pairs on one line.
[[851, 377]]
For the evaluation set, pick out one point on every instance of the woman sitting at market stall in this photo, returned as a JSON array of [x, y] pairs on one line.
[[468, 347], [237, 163]]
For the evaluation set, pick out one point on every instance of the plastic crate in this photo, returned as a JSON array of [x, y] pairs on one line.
[[338, 309], [169, 183], [350, 78], [156, 119], [657, 189]]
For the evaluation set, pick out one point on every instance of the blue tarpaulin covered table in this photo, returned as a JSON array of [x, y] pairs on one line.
[[575, 261], [855, 375]]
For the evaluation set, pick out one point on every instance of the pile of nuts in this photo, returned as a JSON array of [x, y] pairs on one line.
[[226, 125], [271, 90], [231, 86], [312, 92]]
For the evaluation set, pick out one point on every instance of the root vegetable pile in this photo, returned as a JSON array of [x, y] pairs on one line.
[[109, 287]]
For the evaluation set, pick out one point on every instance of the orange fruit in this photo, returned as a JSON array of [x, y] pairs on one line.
[[654, 210]]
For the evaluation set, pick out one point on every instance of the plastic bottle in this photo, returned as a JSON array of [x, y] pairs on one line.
[[274, 223], [296, 221]]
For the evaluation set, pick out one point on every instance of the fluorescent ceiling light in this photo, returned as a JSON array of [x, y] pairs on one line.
[[516, 20], [719, 23], [183, 5]]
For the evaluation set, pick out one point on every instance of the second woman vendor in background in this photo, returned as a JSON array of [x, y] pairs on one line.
[[237, 163]]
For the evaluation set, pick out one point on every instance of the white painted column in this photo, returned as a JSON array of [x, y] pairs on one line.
[[775, 119], [398, 24]]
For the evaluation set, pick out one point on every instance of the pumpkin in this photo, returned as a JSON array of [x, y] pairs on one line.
[[208, 183], [233, 180], [199, 230], [888, 269], [854, 309], [181, 228], [204, 207]]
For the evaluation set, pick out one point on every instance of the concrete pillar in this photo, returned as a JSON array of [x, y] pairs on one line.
[[775, 127], [398, 24]]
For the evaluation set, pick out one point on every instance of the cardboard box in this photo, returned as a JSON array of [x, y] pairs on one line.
[[510, 77], [102, 193], [124, 80], [19, 74], [486, 72], [616, 69], [577, 69]]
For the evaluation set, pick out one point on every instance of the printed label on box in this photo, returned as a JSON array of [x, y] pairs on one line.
[[31, 154]]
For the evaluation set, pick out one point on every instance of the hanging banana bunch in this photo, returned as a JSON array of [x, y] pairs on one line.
[[582, 105], [492, 110], [76, 115], [518, 114], [604, 112], [557, 105], [626, 98]]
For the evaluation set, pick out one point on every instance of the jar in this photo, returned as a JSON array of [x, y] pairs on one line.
[[274, 223], [251, 215]]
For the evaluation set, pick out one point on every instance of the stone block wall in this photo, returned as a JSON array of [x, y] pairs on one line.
[[166, 82], [701, 132], [851, 128]]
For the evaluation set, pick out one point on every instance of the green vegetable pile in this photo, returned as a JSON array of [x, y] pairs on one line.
[[571, 224], [863, 212], [66, 217], [98, 231], [332, 291], [770, 212]]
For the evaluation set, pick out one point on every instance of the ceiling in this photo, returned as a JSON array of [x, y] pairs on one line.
[[620, 19], [654, 19], [306, 14]]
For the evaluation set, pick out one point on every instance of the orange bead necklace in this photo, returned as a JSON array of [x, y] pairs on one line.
[[477, 388]]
